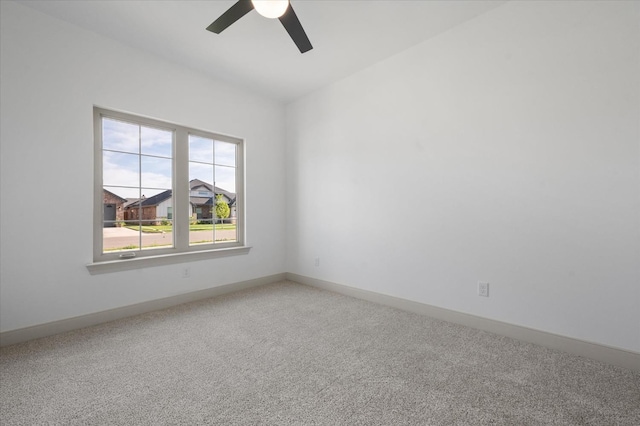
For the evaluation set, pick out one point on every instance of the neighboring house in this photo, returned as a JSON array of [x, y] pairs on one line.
[[113, 208], [149, 209], [203, 201], [160, 207]]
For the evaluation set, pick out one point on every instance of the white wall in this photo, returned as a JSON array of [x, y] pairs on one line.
[[511, 145], [52, 75]]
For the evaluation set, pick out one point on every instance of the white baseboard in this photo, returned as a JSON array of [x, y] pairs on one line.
[[56, 327], [607, 354], [596, 351]]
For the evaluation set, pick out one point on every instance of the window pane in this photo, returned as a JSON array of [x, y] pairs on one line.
[[155, 235], [201, 198], [156, 142], [129, 194], [156, 172], [120, 136], [225, 153], [120, 169], [201, 230], [202, 172], [119, 237], [226, 232], [137, 188], [224, 209], [154, 195], [226, 178], [200, 149]]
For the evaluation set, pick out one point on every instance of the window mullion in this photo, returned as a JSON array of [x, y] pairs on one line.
[[140, 223], [98, 211], [182, 208]]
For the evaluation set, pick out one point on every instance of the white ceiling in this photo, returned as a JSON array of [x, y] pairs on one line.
[[257, 53]]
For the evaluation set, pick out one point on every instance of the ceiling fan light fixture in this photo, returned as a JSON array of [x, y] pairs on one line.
[[280, 9], [271, 8]]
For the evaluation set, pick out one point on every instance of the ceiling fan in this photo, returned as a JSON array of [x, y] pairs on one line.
[[280, 9]]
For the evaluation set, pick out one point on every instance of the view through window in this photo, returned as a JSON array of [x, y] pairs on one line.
[[212, 190], [166, 187], [137, 175]]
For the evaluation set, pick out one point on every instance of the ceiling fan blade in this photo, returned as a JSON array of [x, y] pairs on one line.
[[235, 12], [293, 26]]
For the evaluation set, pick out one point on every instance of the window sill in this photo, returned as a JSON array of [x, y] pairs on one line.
[[164, 259]]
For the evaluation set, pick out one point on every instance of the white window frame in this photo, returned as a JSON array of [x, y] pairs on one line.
[[181, 251]]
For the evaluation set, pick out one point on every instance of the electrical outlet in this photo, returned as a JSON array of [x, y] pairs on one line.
[[317, 261], [186, 272], [483, 289]]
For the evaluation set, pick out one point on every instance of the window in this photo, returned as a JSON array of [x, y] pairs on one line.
[[164, 190]]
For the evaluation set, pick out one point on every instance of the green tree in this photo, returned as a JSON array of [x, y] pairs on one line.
[[222, 208]]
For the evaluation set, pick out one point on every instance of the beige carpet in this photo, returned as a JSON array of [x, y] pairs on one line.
[[289, 354]]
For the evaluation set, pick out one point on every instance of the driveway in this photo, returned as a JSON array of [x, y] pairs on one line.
[[118, 232]]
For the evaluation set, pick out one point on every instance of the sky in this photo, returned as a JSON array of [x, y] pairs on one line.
[[137, 160]]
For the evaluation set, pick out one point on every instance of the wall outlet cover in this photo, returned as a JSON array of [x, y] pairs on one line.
[[483, 289]]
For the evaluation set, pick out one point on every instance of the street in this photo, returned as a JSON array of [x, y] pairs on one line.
[[123, 237]]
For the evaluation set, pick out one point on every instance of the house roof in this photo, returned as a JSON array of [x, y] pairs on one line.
[[193, 184], [151, 201], [157, 199], [122, 200], [199, 200], [129, 202]]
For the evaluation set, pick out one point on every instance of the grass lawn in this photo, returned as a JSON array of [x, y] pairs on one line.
[[156, 229]]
